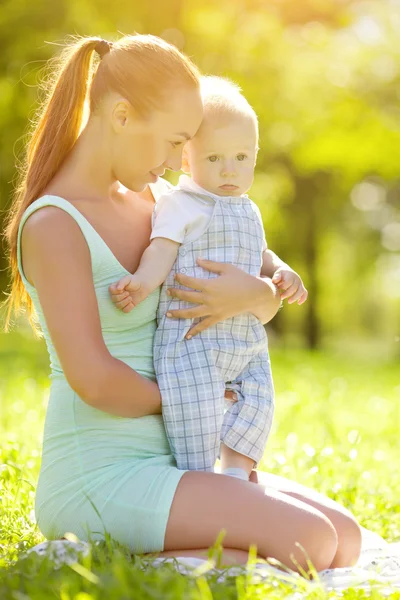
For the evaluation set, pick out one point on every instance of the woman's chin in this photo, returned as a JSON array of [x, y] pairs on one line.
[[139, 187], [133, 186]]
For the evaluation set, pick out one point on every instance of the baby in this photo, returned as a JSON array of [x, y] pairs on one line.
[[209, 215]]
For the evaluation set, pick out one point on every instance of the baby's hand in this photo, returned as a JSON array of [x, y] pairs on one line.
[[290, 285], [128, 292]]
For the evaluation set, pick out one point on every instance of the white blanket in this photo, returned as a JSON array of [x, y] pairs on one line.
[[378, 566]]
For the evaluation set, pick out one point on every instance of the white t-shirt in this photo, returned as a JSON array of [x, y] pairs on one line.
[[161, 187], [183, 217]]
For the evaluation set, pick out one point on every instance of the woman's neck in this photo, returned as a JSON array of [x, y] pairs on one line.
[[86, 172]]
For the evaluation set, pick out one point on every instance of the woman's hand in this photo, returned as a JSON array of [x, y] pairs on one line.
[[232, 293]]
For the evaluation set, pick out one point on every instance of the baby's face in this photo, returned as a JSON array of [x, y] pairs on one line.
[[222, 156]]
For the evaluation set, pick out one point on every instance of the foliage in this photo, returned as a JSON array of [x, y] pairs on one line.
[[323, 77]]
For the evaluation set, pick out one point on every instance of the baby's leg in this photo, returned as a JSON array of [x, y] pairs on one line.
[[247, 422], [192, 394], [235, 464]]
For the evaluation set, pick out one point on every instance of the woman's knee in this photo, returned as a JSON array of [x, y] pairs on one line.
[[278, 526], [347, 529], [321, 543], [349, 540]]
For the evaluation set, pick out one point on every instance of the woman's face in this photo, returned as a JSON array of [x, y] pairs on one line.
[[142, 148]]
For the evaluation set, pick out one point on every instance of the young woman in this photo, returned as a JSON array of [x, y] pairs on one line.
[[81, 220]]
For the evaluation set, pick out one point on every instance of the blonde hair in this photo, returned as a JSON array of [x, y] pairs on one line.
[[222, 98], [142, 68]]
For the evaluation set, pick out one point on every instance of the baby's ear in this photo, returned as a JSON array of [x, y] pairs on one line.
[[185, 161]]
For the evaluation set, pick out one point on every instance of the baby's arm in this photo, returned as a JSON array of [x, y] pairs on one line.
[[288, 282], [271, 263], [170, 219], [156, 262]]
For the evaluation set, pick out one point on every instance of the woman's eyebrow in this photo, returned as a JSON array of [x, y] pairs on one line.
[[185, 135]]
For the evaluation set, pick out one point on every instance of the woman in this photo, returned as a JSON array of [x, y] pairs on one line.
[[81, 219]]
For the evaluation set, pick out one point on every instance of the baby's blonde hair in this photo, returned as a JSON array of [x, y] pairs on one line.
[[222, 98]]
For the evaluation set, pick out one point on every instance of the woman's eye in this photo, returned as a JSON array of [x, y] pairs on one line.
[[213, 158], [241, 157], [175, 144]]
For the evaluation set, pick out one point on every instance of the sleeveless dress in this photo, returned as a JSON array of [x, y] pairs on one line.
[[103, 474]]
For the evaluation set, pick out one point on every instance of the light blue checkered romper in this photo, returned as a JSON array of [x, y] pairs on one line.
[[193, 374]]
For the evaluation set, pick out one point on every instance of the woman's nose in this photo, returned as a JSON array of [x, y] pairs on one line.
[[174, 161]]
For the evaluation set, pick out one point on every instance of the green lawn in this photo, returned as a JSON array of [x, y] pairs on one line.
[[336, 428]]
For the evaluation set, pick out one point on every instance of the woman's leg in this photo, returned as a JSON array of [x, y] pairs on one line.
[[347, 528], [206, 503]]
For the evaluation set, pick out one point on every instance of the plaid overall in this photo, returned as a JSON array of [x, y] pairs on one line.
[[193, 374]]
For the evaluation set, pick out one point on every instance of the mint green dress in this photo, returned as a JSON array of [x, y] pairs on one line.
[[101, 473]]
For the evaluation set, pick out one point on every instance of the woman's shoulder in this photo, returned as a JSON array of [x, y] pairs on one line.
[[43, 219], [48, 213], [50, 236], [50, 225], [49, 228]]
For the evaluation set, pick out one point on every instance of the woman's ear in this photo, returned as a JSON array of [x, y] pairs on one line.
[[185, 161], [120, 115]]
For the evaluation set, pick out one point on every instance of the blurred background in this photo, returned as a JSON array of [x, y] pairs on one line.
[[324, 78]]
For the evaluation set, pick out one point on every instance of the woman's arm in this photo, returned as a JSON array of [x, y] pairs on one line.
[[56, 260], [232, 293], [269, 300]]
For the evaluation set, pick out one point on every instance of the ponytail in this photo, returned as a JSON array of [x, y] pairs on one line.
[[142, 68]]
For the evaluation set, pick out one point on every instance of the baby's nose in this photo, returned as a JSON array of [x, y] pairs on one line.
[[229, 168]]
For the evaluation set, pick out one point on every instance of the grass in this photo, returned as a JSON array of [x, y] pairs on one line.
[[336, 429]]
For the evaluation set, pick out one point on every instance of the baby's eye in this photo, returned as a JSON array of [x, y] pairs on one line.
[[213, 158], [176, 144], [241, 156]]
